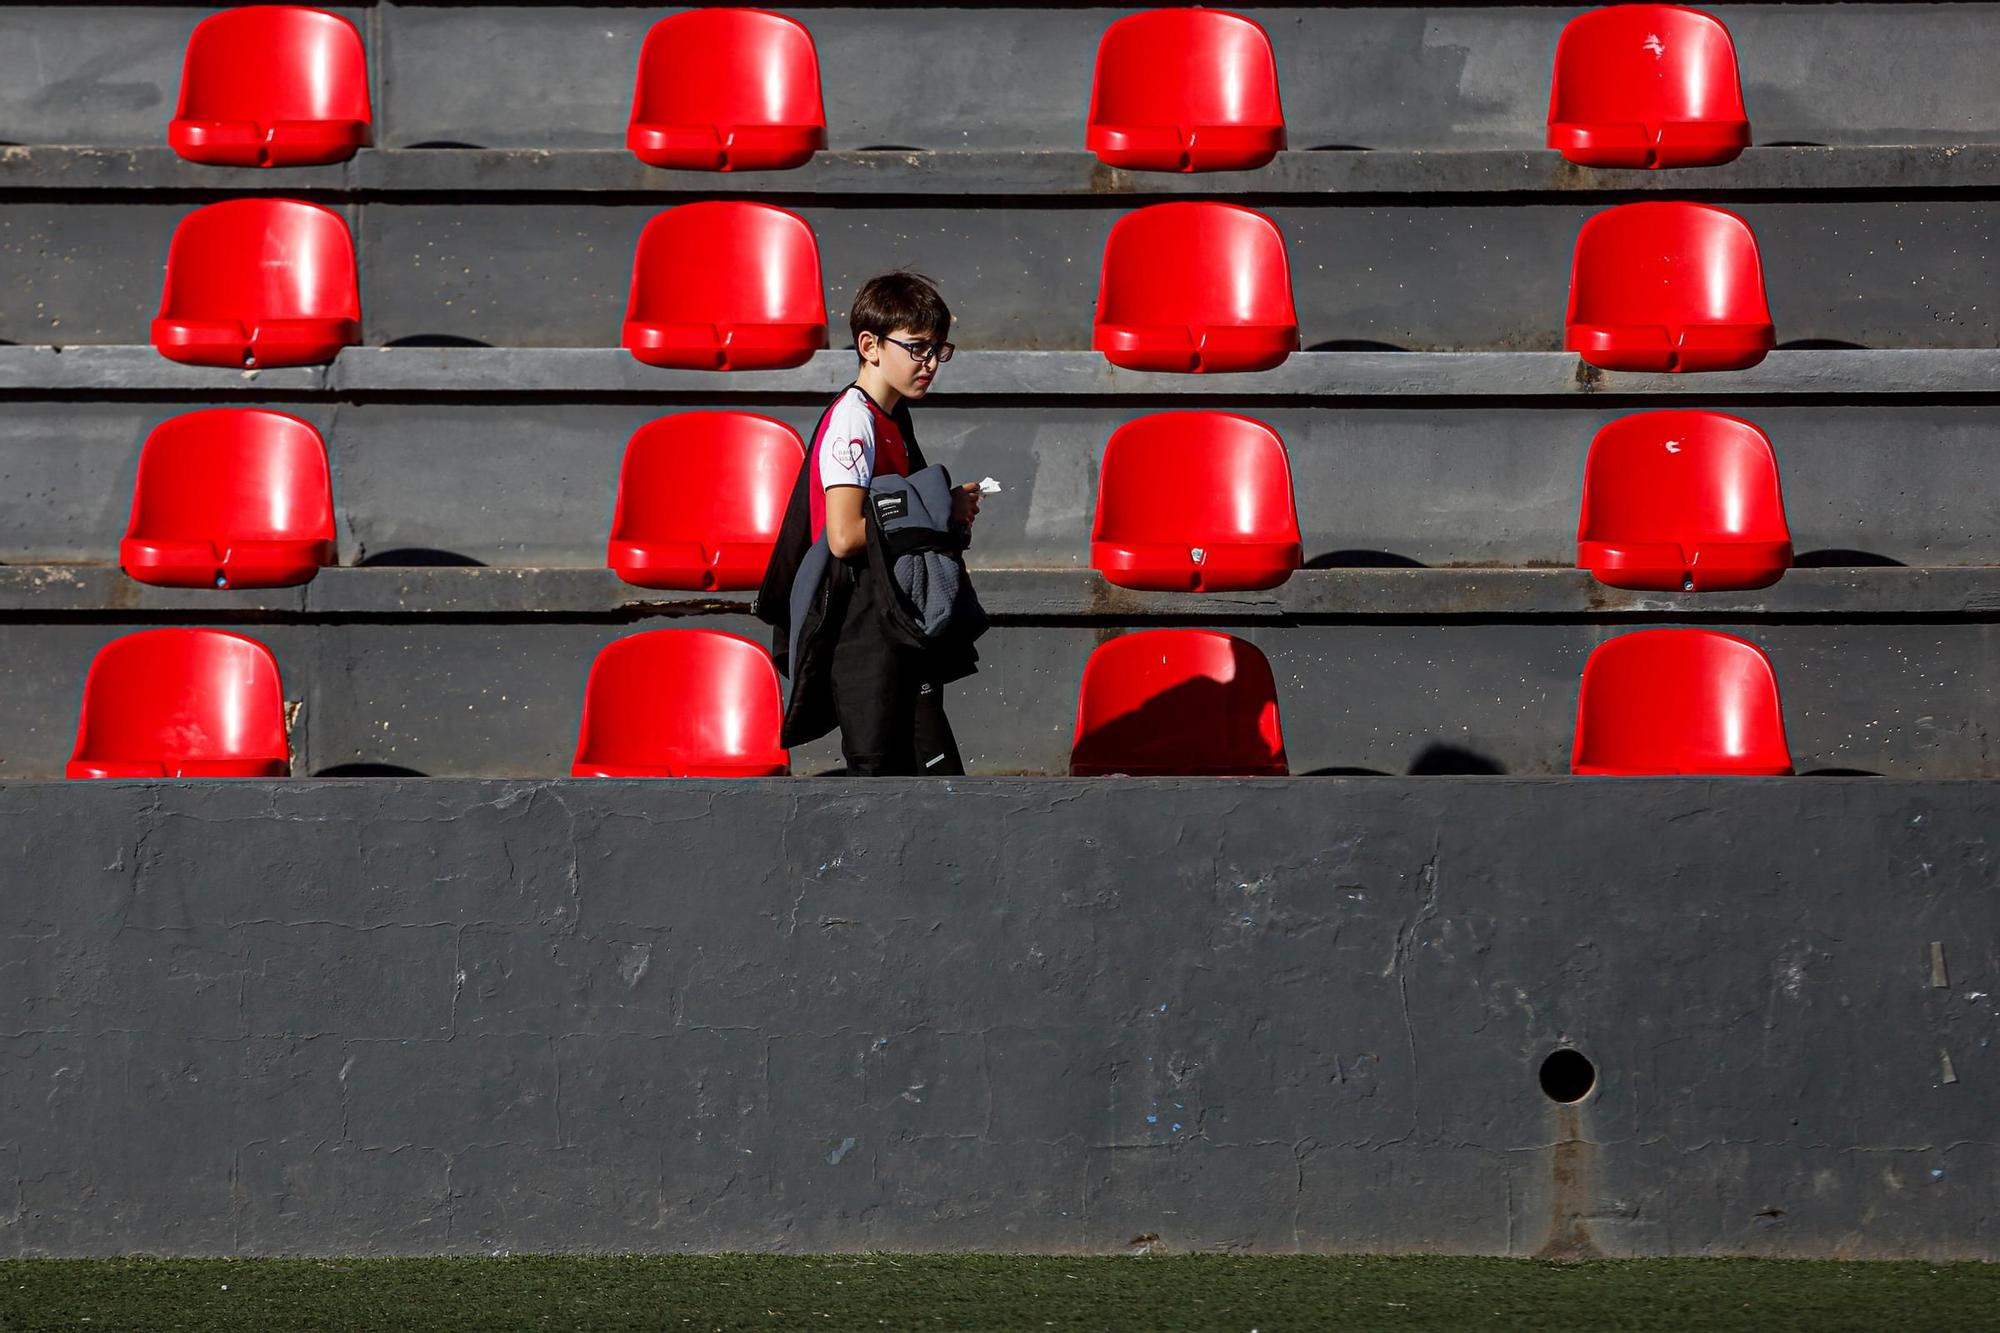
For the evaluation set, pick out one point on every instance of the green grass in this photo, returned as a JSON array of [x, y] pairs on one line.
[[732, 1292]]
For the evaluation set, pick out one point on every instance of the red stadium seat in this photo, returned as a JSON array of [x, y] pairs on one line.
[[1683, 501], [726, 285], [1195, 502], [259, 282], [727, 90], [1195, 287], [1692, 701], [1177, 702], [1646, 86], [182, 703], [1185, 90], [230, 498], [700, 499], [1668, 286], [682, 703], [272, 86]]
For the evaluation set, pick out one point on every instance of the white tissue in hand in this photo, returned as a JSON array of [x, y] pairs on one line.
[[988, 486]]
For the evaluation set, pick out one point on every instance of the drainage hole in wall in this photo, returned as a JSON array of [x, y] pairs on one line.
[[1568, 1076]]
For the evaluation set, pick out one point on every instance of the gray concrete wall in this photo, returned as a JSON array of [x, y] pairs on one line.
[[1909, 273], [413, 1017], [532, 484], [558, 76], [490, 696]]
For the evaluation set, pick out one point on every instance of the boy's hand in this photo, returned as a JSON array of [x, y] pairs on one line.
[[965, 503]]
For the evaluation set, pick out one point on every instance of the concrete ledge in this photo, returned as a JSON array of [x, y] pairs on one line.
[[32, 592], [1063, 174], [394, 1016], [576, 373]]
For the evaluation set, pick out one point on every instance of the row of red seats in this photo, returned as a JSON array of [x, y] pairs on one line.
[[1186, 502], [1173, 90], [1653, 702], [1185, 287], [192, 703]]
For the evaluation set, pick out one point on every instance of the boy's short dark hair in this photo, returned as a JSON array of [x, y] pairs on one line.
[[899, 300]]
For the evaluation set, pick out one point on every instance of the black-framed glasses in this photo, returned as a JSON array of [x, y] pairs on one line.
[[922, 352]]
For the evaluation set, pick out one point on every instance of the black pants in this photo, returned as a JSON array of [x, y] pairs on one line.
[[892, 721]]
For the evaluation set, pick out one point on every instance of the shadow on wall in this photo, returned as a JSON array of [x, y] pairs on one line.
[[1359, 559], [420, 556], [435, 340], [1440, 760], [1432, 761], [1840, 557], [369, 771]]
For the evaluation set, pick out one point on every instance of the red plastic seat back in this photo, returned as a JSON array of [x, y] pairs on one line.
[[1678, 498], [726, 284], [265, 282], [272, 85], [1197, 286], [233, 496], [1177, 702], [727, 90], [1692, 701], [681, 703], [1195, 501], [1668, 286], [1185, 90], [1646, 86], [182, 703], [701, 497]]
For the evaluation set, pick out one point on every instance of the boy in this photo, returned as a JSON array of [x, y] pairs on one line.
[[886, 699]]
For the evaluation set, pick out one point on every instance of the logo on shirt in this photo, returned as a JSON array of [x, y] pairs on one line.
[[849, 454]]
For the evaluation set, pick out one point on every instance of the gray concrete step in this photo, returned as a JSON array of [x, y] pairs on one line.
[[1014, 173], [581, 373], [103, 592]]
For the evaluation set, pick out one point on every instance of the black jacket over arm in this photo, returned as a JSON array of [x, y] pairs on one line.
[[795, 537], [809, 703]]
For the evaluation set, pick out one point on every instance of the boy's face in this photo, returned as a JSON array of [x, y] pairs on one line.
[[891, 356]]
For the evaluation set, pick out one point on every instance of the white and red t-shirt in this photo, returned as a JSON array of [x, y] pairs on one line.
[[856, 443]]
